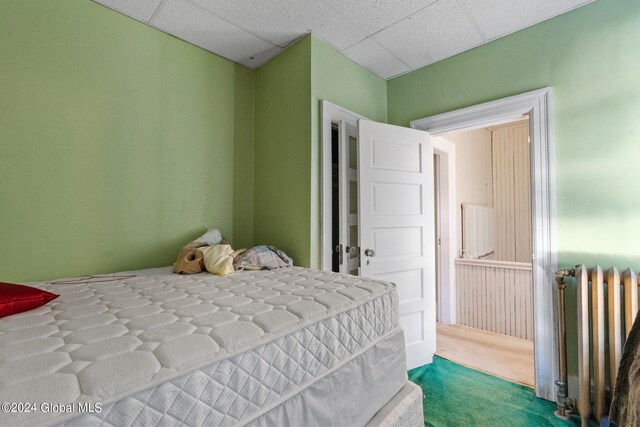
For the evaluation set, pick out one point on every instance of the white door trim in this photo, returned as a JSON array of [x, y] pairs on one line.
[[538, 105], [448, 211], [330, 113]]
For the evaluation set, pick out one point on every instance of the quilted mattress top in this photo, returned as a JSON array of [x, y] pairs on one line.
[[99, 342]]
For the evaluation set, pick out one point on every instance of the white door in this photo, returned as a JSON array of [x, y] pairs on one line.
[[348, 193], [395, 166]]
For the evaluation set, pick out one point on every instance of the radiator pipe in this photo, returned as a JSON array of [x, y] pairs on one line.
[[563, 389]]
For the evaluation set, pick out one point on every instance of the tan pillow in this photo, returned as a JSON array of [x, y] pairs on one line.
[[190, 260]]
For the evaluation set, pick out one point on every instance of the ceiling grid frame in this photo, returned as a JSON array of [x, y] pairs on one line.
[[472, 19]]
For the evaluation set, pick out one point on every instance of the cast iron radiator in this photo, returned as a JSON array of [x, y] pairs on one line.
[[592, 315]]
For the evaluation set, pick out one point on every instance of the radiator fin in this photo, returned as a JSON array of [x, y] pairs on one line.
[[630, 279], [584, 401], [597, 309], [615, 334]]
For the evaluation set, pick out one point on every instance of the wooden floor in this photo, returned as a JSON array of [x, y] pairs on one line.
[[499, 355]]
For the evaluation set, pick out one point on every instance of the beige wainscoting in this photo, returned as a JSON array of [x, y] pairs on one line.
[[495, 296]]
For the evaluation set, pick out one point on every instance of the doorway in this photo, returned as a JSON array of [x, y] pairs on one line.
[[493, 327], [345, 257], [339, 218], [538, 106]]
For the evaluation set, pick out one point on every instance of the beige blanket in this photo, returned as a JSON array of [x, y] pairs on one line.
[[218, 259]]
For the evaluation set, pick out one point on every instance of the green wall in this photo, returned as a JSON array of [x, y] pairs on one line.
[[340, 80], [337, 79], [243, 157], [591, 57], [283, 152], [289, 89], [118, 143]]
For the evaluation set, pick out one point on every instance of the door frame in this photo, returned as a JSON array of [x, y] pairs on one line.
[[538, 104], [330, 114], [446, 283]]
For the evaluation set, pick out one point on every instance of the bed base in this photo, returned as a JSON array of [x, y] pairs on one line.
[[403, 410]]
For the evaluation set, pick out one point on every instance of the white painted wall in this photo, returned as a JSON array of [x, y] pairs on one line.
[[474, 178], [493, 168]]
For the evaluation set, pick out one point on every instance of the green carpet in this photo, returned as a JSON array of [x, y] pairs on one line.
[[459, 396]]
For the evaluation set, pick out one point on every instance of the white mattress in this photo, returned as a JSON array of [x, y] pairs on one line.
[[223, 351]]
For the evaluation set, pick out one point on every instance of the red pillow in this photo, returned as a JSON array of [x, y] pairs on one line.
[[18, 298]]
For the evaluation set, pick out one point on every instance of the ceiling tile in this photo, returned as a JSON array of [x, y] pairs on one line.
[[374, 15], [389, 37], [195, 25], [496, 18], [261, 58], [376, 58], [436, 32], [283, 21], [142, 10]]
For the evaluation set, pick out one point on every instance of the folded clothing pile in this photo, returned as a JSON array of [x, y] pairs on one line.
[[211, 252], [262, 258]]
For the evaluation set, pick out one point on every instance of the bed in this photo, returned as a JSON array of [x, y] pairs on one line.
[[284, 347]]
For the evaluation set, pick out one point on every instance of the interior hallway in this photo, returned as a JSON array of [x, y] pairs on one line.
[[500, 355]]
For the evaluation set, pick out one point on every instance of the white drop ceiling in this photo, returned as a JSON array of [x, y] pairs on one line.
[[389, 37]]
